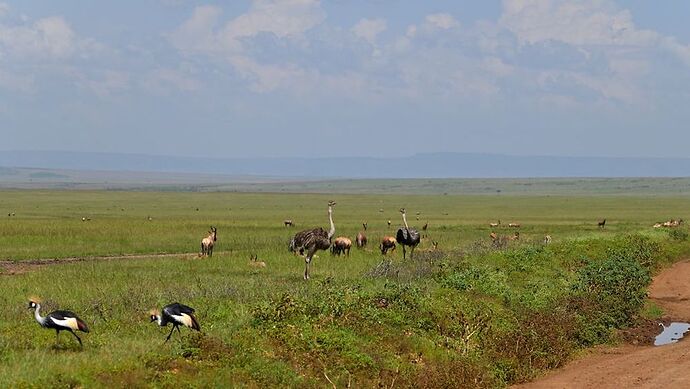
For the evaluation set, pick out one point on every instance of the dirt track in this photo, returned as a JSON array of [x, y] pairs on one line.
[[18, 267], [636, 366]]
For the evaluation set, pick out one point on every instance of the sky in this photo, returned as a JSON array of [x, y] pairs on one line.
[[308, 78]]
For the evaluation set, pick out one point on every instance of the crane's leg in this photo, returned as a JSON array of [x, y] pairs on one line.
[[170, 334], [78, 339], [178, 330], [57, 336]]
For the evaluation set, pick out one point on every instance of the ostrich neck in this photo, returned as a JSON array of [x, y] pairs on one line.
[[37, 314], [405, 221], [330, 218]]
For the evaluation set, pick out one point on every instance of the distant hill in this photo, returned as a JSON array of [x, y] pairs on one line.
[[432, 165]]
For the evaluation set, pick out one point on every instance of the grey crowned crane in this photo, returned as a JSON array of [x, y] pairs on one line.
[[407, 236], [178, 315], [313, 240], [59, 321]]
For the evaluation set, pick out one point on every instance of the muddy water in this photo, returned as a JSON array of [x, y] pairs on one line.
[[671, 334]]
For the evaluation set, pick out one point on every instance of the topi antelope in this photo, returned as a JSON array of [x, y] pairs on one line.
[[361, 240], [340, 245], [208, 242], [387, 243], [59, 321]]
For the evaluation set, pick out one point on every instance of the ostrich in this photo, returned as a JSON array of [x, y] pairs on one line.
[[407, 236], [313, 240], [208, 242]]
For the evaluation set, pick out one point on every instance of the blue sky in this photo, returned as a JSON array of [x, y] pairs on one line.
[[346, 77]]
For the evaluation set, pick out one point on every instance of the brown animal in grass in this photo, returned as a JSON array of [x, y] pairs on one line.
[[387, 243], [254, 262], [361, 240], [341, 245], [208, 242]]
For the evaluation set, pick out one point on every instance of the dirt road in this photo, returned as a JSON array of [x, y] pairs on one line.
[[636, 366]]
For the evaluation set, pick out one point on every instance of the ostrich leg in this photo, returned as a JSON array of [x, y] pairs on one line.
[[404, 251], [307, 261]]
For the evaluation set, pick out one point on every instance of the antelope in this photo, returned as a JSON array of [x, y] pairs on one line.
[[494, 225], [387, 243], [361, 240], [254, 262], [515, 225], [602, 223], [208, 242], [288, 223], [547, 239], [341, 245], [365, 225]]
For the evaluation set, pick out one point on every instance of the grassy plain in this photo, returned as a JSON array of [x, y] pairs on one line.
[[432, 322]]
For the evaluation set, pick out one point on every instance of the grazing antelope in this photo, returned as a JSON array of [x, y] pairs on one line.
[[387, 243], [59, 321], [515, 236], [658, 225], [313, 240], [361, 240], [364, 224], [547, 239], [254, 262], [494, 225], [514, 225], [434, 245], [340, 245], [177, 314], [602, 223], [288, 223], [208, 242]]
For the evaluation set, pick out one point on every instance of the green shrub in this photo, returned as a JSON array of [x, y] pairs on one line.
[[678, 234]]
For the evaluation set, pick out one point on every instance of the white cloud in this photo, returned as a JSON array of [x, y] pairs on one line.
[[586, 22], [368, 29], [4, 9], [443, 21], [50, 36]]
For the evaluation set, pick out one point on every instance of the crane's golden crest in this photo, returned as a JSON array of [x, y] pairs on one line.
[[34, 299], [154, 312]]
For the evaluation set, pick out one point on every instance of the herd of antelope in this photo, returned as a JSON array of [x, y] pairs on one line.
[[307, 242]]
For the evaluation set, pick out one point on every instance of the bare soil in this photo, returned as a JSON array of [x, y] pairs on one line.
[[637, 364], [8, 267]]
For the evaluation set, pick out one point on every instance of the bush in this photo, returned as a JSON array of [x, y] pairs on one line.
[[678, 235], [609, 294]]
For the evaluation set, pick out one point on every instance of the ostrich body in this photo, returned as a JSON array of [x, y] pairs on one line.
[[313, 240], [407, 236], [59, 321], [177, 314]]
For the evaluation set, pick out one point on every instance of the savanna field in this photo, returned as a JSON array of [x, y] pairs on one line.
[[468, 313]]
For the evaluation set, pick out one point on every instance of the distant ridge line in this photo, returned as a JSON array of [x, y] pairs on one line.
[[426, 165]]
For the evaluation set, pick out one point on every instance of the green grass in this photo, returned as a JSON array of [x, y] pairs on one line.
[[267, 327]]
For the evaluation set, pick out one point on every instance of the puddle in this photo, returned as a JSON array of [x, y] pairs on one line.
[[671, 334]]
